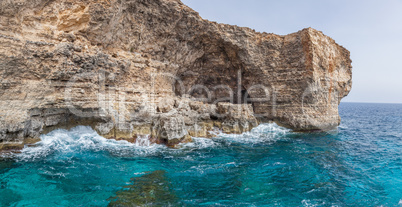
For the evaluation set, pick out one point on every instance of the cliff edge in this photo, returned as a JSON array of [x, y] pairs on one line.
[[132, 68]]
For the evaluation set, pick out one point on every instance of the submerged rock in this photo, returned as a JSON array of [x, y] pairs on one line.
[[149, 190], [138, 67], [5, 165]]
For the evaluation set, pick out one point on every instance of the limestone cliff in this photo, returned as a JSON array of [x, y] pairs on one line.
[[137, 67]]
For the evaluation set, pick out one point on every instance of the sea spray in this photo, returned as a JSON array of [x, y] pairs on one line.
[[262, 134], [83, 139]]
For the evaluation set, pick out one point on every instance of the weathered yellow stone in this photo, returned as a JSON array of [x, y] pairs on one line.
[[104, 64]]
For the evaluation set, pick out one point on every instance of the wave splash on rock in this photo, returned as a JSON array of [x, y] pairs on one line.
[[81, 139]]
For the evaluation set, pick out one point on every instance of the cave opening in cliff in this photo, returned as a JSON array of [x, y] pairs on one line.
[[217, 90]]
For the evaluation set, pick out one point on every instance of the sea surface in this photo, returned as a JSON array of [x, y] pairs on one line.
[[358, 164]]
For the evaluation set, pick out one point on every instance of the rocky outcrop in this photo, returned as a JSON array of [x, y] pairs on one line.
[[136, 67]]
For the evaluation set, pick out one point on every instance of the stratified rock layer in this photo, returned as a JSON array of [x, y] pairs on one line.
[[135, 67]]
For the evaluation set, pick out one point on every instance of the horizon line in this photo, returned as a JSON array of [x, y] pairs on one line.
[[369, 102]]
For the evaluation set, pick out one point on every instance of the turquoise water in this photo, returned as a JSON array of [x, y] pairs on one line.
[[359, 164]]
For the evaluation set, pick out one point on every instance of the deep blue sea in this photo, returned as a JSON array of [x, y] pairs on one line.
[[359, 164]]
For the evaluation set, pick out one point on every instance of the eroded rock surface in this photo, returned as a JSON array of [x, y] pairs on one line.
[[135, 67]]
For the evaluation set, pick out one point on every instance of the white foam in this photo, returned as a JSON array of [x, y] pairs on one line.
[[200, 143], [264, 133], [309, 203], [343, 126], [83, 138]]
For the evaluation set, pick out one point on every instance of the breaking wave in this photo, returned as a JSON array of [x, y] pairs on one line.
[[265, 133], [83, 139]]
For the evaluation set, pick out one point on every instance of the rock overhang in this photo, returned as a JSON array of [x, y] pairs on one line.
[[129, 68]]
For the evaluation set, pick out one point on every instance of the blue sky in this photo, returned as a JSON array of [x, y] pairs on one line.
[[370, 29]]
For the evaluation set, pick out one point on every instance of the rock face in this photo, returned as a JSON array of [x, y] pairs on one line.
[[136, 67]]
